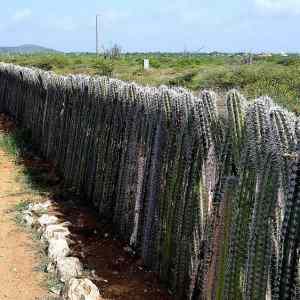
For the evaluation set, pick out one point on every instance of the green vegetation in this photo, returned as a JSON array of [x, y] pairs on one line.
[[14, 142], [17, 143], [9, 145], [18, 211], [276, 76], [21, 206]]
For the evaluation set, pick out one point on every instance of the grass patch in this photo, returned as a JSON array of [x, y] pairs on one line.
[[183, 80], [14, 143], [18, 219], [18, 145], [53, 284], [22, 206], [18, 210], [9, 145], [44, 262]]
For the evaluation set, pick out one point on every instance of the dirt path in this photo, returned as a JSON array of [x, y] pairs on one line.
[[18, 280]]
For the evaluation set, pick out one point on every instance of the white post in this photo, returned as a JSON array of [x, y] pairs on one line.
[[146, 64]]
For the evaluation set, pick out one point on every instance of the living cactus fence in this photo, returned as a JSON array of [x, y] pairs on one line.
[[211, 202]]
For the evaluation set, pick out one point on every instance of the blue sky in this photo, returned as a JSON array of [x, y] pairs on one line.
[[154, 25]]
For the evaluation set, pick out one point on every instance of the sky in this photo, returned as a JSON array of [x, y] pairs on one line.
[[154, 25]]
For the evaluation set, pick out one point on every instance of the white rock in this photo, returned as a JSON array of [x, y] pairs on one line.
[[47, 203], [30, 206], [55, 231], [29, 220], [45, 220], [81, 289], [50, 267], [58, 249], [69, 267], [55, 290], [129, 250], [27, 212], [39, 207]]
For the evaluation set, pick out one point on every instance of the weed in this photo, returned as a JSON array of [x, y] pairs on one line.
[[53, 284], [104, 67], [9, 145], [183, 80], [21, 206], [43, 263]]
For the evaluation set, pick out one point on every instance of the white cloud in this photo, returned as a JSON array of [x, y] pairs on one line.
[[291, 7], [22, 15]]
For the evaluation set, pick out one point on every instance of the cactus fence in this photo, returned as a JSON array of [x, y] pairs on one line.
[[212, 203]]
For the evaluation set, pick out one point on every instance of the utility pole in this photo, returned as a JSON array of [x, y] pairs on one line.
[[97, 33]]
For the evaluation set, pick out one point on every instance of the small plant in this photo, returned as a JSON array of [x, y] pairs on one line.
[[21, 206], [104, 67], [47, 66], [54, 285], [183, 80], [18, 211], [9, 144], [155, 63]]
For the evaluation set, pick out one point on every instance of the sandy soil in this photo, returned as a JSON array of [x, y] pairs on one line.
[[18, 280]]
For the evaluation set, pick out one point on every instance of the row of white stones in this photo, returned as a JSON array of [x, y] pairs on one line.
[[55, 236]]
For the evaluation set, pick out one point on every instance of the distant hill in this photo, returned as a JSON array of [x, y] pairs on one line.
[[26, 49]]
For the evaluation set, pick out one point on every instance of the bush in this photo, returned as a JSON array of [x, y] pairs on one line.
[[154, 63], [47, 66], [289, 61], [183, 80], [104, 68]]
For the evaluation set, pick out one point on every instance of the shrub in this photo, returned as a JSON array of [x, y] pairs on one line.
[[104, 67]]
